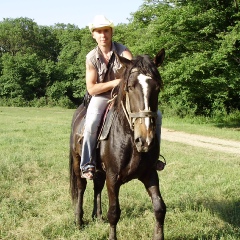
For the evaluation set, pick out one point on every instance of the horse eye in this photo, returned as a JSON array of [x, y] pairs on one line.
[[130, 88]]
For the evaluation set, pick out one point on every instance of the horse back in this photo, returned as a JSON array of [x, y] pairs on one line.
[[78, 116]]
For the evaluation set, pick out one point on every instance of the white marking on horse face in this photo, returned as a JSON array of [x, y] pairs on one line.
[[143, 81]]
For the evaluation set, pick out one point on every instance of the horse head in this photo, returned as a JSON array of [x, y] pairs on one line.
[[140, 89]]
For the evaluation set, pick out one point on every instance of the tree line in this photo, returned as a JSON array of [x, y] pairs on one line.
[[45, 65]]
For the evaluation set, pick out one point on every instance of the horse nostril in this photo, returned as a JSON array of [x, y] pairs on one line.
[[138, 141], [139, 144]]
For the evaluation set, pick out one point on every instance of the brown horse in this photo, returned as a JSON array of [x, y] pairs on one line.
[[131, 148]]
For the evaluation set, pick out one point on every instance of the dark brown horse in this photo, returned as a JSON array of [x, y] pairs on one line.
[[131, 148]]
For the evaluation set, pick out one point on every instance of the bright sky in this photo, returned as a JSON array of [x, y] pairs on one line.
[[77, 12]]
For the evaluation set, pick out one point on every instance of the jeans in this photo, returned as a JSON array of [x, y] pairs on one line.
[[94, 115], [159, 125]]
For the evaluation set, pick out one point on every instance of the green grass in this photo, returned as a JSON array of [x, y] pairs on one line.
[[204, 126], [200, 187]]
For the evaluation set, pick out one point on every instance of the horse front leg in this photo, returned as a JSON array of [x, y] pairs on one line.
[[99, 181], [159, 207], [114, 210]]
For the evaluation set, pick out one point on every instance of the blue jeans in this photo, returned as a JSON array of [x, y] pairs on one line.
[[94, 115], [159, 125]]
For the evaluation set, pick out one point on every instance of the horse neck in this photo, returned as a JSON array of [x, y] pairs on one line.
[[121, 120]]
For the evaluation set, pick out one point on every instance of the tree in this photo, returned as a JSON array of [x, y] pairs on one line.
[[201, 39], [75, 44], [201, 70], [25, 76]]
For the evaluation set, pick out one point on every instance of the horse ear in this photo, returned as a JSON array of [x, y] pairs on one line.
[[124, 61], [158, 60]]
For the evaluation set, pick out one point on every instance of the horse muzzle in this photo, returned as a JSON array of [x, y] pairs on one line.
[[143, 136], [141, 145]]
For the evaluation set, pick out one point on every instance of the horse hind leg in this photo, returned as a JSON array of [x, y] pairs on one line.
[[78, 186], [79, 203], [159, 207]]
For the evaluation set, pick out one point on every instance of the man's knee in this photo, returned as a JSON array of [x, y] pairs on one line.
[[159, 118]]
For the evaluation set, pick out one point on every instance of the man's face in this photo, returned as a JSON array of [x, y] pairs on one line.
[[103, 36]]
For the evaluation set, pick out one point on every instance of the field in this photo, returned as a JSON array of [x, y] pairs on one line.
[[200, 187]]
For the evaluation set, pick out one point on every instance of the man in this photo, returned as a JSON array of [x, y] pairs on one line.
[[102, 75]]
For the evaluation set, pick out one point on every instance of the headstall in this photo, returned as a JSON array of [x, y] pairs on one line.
[[132, 116]]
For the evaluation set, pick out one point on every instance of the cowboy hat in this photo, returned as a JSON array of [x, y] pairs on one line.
[[100, 21]]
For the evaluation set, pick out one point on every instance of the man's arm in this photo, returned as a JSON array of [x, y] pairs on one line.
[[127, 54], [93, 87]]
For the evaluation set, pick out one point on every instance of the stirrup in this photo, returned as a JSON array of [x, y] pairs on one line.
[[160, 164]]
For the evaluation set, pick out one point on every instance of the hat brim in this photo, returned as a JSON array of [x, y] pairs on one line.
[[92, 28]]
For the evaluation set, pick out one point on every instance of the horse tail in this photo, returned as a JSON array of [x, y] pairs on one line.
[[72, 178], [78, 115]]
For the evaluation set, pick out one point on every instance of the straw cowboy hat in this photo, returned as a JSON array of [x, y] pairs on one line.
[[100, 21]]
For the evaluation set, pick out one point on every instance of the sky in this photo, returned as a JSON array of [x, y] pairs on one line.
[[77, 12]]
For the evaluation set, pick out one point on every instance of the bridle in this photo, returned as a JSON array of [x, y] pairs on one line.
[[132, 116]]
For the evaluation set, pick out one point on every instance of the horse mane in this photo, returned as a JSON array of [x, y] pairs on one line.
[[145, 65]]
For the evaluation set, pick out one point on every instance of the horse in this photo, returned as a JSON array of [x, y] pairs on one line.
[[131, 148]]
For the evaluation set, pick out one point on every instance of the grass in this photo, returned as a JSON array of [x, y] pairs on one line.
[[204, 126], [200, 187]]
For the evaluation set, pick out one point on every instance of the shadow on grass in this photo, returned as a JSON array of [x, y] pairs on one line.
[[235, 126], [227, 211], [197, 212], [232, 122]]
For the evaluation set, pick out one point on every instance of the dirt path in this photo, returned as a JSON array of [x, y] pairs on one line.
[[212, 143]]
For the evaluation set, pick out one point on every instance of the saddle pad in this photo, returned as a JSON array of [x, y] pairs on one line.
[[107, 125]]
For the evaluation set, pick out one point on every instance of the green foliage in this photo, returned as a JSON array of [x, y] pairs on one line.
[[25, 75], [200, 73], [75, 45], [201, 38], [17, 35]]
